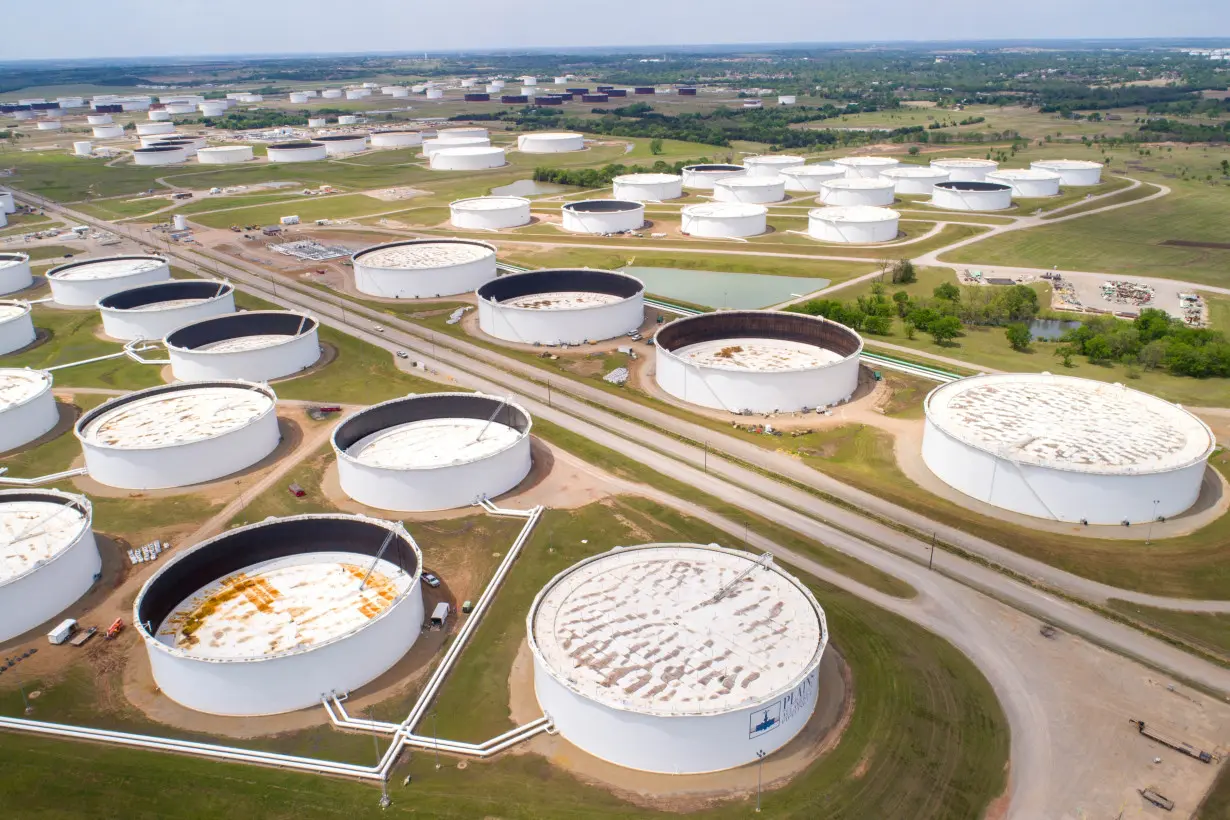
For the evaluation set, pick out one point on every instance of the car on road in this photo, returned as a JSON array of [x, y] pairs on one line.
[[401, 354], [378, 328], [431, 580]]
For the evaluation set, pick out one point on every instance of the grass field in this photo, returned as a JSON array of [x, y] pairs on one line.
[[1216, 805], [926, 740], [361, 374], [1207, 631], [74, 337]]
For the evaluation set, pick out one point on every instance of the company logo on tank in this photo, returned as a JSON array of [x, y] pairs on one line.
[[782, 711]]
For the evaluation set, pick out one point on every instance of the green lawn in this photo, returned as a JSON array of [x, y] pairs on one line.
[[74, 338], [361, 374], [726, 263], [1209, 632], [1139, 192]]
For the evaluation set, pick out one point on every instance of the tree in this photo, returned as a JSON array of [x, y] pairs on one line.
[[944, 329], [655, 146], [902, 300], [914, 153], [903, 272], [947, 291], [878, 325], [1065, 352], [1098, 349], [1019, 337], [909, 330]]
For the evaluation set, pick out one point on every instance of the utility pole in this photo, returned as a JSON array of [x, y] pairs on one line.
[[1149, 535]]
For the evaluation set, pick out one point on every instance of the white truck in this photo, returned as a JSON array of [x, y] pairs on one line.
[[62, 632]]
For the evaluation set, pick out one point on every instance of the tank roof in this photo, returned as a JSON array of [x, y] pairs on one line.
[[677, 630], [967, 185], [19, 385], [858, 184], [854, 213], [602, 206], [713, 167], [171, 417], [489, 203], [248, 330], [729, 210], [749, 182], [1069, 423], [164, 295], [424, 254], [106, 267], [964, 162], [914, 171], [647, 179], [1023, 173], [35, 527], [8, 260], [758, 341], [552, 281], [12, 310], [817, 169]]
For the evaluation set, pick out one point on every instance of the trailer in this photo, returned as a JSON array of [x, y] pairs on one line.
[[83, 636], [1157, 799], [1166, 740], [62, 632]]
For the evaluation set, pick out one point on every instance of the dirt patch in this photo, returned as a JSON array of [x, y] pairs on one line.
[[396, 194], [687, 793]]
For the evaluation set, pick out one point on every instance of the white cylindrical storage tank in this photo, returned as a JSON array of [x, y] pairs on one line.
[[305, 151], [224, 155], [1075, 173], [99, 119], [647, 187], [803, 179], [489, 213], [750, 188], [474, 158], [757, 360], [298, 97], [179, 434], [423, 268], [331, 94], [255, 345], [107, 132], [48, 556], [965, 170], [268, 617], [149, 129], [24, 115], [530, 81], [866, 167], [770, 165], [702, 177], [786, 99], [1066, 448], [347, 119], [469, 82], [873, 192], [15, 272], [621, 643], [603, 216], [49, 125], [1027, 183], [543, 142], [340, 145], [356, 93], [468, 132], [529, 90], [181, 109], [212, 108], [492, 88], [317, 122], [396, 139], [399, 91], [150, 140], [189, 145], [436, 451], [27, 408], [971, 196], [571, 306], [430, 146], [153, 311], [723, 220], [83, 148], [7, 206], [159, 115], [160, 155], [914, 179], [855, 224], [435, 94], [16, 326], [82, 283]]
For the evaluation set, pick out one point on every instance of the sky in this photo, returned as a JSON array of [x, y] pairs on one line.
[[147, 28]]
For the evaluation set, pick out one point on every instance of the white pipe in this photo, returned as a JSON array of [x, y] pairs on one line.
[[43, 479]]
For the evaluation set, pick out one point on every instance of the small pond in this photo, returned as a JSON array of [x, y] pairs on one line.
[[1049, 330], [717, 289]]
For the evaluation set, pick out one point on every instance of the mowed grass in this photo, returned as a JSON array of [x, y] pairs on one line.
[[927, 738], [1207, 631], [361, 374], [1190, 566], [74, 336]]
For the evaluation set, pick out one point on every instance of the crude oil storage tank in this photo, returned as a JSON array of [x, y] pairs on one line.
[[603, 216], [298, 97], [49, 125], [1027, 182], [761, 361], [1075, 173], [858, 191], [7, 204], [153, 311], [550, 143], [83, 283], [224, 155], [965, 170], [702, 177], [468, 132], [805, 178], [914, 179], [396, 139], [699, 607], [148, 129], [341, 145], [647, 187], [48, 556], [108, 132], [474, 158], [213, 108], [83, 148], [255, 345], [856, 224], [561, 306], [1065, 448], [971, 196], [99, 119], [15, 272], [16, 326], [724, 219], [423, 268], [304, 151], [770, 165], [348, 606], [434, 451], [179, 434], [317, 122], [160, 155], [750, 188], [27, 408], [866, 167], [430, 146], [489, 213]]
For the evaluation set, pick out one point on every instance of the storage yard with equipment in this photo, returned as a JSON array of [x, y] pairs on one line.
[[582, 447]]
